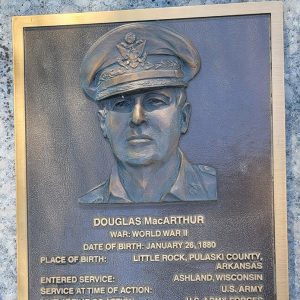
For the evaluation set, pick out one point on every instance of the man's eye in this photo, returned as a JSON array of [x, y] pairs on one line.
[[153, 103], [156, 101], [122, 106]]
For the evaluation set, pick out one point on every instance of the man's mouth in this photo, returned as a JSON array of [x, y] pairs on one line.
[[139, 139]]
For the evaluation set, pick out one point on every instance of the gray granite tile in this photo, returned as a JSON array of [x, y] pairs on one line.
[[9, 8]]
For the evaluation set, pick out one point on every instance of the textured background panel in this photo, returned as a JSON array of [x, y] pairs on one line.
[[230, 130]]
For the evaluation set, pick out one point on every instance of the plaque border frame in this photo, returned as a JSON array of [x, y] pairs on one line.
[[274, 9]]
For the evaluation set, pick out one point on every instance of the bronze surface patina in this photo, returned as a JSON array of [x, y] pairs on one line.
[[138, 74], [141, 85]]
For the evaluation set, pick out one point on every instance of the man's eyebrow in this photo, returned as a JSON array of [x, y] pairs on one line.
[[118, 97], [157, 94]]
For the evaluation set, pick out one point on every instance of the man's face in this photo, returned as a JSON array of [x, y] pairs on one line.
[[144, 128]]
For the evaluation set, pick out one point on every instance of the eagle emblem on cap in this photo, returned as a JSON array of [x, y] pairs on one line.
[[132, 51]]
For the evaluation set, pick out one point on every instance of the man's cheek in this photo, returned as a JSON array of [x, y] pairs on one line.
[[160, 121], [165, 118], [117, 124]]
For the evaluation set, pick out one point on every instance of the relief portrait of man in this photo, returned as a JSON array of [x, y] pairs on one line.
[[138, 75]]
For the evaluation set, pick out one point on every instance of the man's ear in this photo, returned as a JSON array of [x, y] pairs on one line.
[[186, 115], [102, 117]]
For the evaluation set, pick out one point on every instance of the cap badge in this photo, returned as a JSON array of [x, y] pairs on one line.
[[132, 51]]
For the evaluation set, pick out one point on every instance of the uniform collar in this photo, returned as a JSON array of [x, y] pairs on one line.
[[179, 186], [116, 188]]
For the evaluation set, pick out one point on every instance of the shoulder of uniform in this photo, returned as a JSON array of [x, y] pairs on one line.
[[207, 169], [98, 194]]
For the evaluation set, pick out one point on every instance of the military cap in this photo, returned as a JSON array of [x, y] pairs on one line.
[[137, 56]]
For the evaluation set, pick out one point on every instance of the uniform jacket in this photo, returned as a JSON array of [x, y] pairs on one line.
[[194, 182]]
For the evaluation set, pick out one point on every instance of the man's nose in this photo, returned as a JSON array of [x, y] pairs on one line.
[[138, 113]]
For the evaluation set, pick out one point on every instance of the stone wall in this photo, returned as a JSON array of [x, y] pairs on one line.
[[9, 8]]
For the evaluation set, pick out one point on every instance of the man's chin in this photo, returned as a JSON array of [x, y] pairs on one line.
[[140, 161], [143, 158]]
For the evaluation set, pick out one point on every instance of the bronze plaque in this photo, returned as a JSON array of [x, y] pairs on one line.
[[150, 154]]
